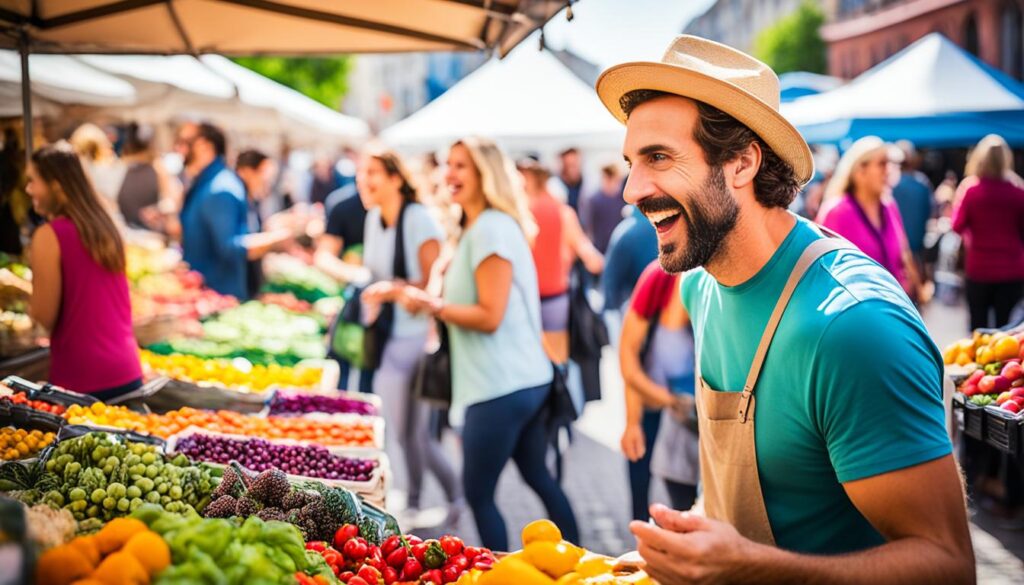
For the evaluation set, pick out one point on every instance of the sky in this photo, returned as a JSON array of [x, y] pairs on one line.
[[607, 32]]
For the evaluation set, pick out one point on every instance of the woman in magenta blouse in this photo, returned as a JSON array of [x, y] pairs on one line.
[[858, 207], [990, 217], [80, 291]]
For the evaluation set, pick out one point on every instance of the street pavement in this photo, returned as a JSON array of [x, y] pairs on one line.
[[596, 483]]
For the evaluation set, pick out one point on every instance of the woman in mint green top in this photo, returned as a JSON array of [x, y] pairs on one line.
[[501, 376]]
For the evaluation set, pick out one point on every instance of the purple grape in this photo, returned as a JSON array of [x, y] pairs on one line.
[[259, 455], [307, 403]]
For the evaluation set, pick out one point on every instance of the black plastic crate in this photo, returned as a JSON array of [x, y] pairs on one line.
[[1003, 430], [48, 392], [974, 420]]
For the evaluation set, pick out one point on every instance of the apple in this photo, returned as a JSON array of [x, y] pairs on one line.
[[1001, 384], [975, 376], [1012, 371], [1003, 397], [969, 389], [987, 384], [1012, 407], [1016, 392]]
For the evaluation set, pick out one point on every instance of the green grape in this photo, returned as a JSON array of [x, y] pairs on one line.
[[98, 495], [77, 494]]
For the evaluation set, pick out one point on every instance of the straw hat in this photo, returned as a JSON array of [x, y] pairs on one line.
[[719, 76]]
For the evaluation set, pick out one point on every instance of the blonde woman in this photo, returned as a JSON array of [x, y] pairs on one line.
[[990, 217], [859, 207], [101, 164], [501, 376]]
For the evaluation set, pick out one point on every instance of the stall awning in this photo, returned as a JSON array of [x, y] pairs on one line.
[[280, 27]]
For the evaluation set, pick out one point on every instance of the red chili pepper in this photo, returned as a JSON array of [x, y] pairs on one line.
[[390, 575], [390, 544], [411, 570], [397, 557], [434, 576], [419, 551]]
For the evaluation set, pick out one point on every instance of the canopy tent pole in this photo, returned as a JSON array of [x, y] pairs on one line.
[[26, 95]]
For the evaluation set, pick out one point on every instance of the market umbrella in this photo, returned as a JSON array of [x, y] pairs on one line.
[[283, 27], [932, 93]]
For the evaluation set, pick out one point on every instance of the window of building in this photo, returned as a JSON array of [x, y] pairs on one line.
[[971, 35], [1011, 43]]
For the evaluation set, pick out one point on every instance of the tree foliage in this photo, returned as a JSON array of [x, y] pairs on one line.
[[325, 79], [794, 43]]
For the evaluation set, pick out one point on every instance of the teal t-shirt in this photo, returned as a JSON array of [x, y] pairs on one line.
[[851, 386]]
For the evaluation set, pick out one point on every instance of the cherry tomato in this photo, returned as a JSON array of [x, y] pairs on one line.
[[368, 574], [355, 549], [452, 545], [397, 557], [390, 544], [411, 570]]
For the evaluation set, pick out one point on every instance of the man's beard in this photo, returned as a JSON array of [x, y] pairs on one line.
[[710, 218]]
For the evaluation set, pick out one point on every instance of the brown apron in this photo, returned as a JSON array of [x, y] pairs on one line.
[[728, 456]]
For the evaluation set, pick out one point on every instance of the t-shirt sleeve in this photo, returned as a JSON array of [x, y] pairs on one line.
[[419, 227], [652, 291], [877, 398], [494, 237]]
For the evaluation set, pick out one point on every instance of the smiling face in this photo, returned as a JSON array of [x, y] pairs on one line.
[[670, 181], [42, 193], [375, 185], [462, 177]]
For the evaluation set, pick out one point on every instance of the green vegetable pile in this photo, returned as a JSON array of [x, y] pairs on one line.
[[305, 282], [228, 552], [261, 333], [983, 399], [101, 476]]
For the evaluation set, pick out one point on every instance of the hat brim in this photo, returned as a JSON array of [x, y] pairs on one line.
[[764, 120]]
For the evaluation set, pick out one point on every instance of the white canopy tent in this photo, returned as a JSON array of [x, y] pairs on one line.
[[528, 101], [218, 90], [59, 80], [933, 93]]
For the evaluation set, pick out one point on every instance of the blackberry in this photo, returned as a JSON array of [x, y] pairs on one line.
[[270, 487], [268, 514], [246, 507], [222, 507]]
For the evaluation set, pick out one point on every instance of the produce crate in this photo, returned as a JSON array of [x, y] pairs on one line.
[[974, 420], [1003, 430], [136, 399], [174, 394], [73, 431], [373, 490], [23, 417], [371, 399], [48, 392]]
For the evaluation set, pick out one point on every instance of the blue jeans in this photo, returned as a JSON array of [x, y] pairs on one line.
[[510, 427], [640, 470]]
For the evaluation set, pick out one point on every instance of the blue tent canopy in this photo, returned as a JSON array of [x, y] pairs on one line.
[[932, 93]]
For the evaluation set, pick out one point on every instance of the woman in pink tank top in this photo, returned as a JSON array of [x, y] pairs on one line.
[[80, 291]]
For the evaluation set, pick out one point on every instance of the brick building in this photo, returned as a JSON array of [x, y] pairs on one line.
[[863, 33]]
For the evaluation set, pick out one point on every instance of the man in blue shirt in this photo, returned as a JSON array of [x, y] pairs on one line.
[[215, 215], [915, 198], [633, 246]]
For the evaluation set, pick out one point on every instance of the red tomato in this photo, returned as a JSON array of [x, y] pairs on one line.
[[452, 545], [344, 534]]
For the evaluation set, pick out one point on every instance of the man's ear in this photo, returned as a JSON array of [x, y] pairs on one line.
[[746, 165]]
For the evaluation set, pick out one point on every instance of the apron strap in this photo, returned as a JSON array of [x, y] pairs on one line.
[[812, 253]]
